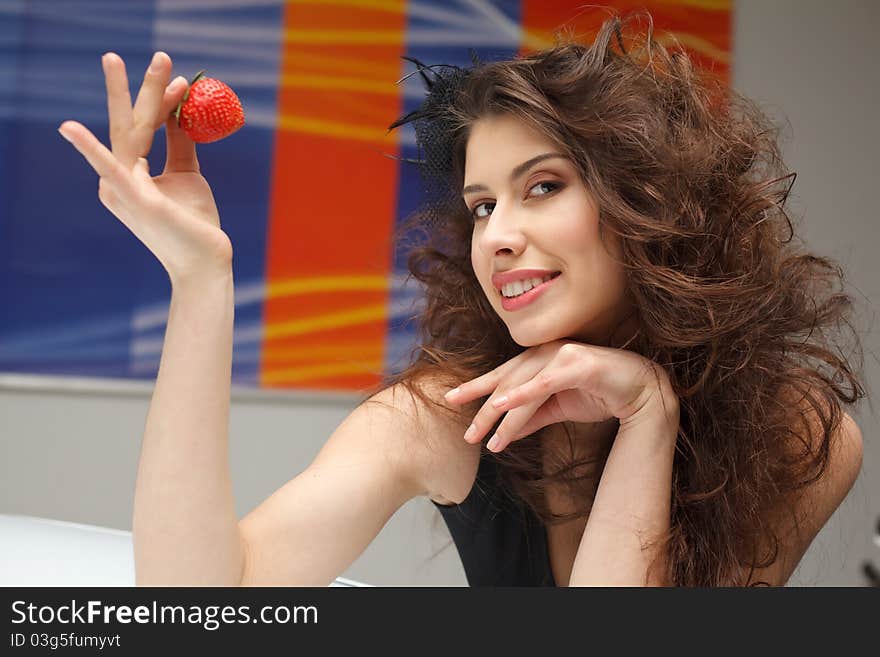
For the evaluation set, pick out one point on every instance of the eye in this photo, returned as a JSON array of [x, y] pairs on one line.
[[476, 214], [553, 186]]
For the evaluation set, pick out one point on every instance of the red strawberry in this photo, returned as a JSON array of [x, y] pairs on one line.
[[209, 110]]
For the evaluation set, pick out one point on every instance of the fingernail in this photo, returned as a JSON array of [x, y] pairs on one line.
[[452, 393], [501, 401], [63, 135], [470, 432], [154, 65], [493, 443]]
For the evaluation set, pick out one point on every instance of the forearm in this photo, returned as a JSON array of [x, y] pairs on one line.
[[184, 524], [631, 508]]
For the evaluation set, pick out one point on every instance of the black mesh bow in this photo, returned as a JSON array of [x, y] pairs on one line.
[[435, 124]]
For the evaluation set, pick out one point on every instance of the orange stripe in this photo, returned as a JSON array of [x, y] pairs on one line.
[[702, 26], [334, 195]]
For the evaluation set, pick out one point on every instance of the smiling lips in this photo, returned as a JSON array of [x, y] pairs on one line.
[[502, 278], [520, 287]]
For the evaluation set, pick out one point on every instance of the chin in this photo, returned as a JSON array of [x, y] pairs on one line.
[[526, 343], [531, 334], [533, 338]]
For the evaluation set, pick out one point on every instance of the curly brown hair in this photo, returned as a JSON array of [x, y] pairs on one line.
[[688, 176]]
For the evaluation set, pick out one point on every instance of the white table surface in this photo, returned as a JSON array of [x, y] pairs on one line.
[[44, 552]]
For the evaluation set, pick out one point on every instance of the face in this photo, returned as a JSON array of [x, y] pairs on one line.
[[536, 225]]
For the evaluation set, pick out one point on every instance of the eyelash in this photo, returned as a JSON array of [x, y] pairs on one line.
[[556, 187]]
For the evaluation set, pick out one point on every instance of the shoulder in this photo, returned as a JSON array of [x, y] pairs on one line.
[[428, 435], [844, 466], [844, 447], [797, 525]]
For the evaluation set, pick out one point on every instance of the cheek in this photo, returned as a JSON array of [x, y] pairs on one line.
[[569, 223], [592, 261], [581, 227]]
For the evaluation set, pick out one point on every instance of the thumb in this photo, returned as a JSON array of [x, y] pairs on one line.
[[181, 153]]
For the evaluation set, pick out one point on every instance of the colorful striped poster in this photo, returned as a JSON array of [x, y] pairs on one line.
[[306, 190]]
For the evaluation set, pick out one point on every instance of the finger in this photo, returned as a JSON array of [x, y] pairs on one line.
[[172, 96], [148, 106], [546, 414], [511, 427], [552, 379], [476, 388], [483, 421], [108, 197], [523, 401], [181, 150], [100, 158], [119, 109], [483, 385]]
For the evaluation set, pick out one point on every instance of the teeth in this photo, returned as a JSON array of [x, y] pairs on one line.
[[518, 287]]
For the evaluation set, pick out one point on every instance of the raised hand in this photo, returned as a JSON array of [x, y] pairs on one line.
[[173, 214], [566, 381]]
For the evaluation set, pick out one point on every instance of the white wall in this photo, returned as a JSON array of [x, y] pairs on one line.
[[70, 451], [812, 64]]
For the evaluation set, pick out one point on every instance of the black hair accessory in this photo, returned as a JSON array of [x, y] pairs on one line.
[[432, 116], [434, 124]]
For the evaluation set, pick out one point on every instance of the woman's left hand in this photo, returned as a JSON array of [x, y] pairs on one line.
[[565, 381]]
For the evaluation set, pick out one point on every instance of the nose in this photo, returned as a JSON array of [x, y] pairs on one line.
[[501, 234]]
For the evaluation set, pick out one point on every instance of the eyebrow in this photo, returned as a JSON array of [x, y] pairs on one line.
[[518, 170]]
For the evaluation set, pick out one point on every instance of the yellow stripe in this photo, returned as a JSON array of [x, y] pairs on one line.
[[534, 40], [399, 6], [709, 5], [352, 317], [696, 43], [344, 83], [537, 42], [396, 6], [326, 284], [298, 374], [346, 37], [348, 351], [312, 126]]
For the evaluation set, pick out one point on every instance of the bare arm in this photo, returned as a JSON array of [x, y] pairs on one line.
[[312, 528], [632, 506], [184, 525]]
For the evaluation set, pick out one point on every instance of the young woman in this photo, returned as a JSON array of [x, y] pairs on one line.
[[626, 374]]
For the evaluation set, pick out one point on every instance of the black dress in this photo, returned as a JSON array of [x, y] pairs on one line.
[[500, 544]]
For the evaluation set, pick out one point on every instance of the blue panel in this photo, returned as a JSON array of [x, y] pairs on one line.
[[80, 294]]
